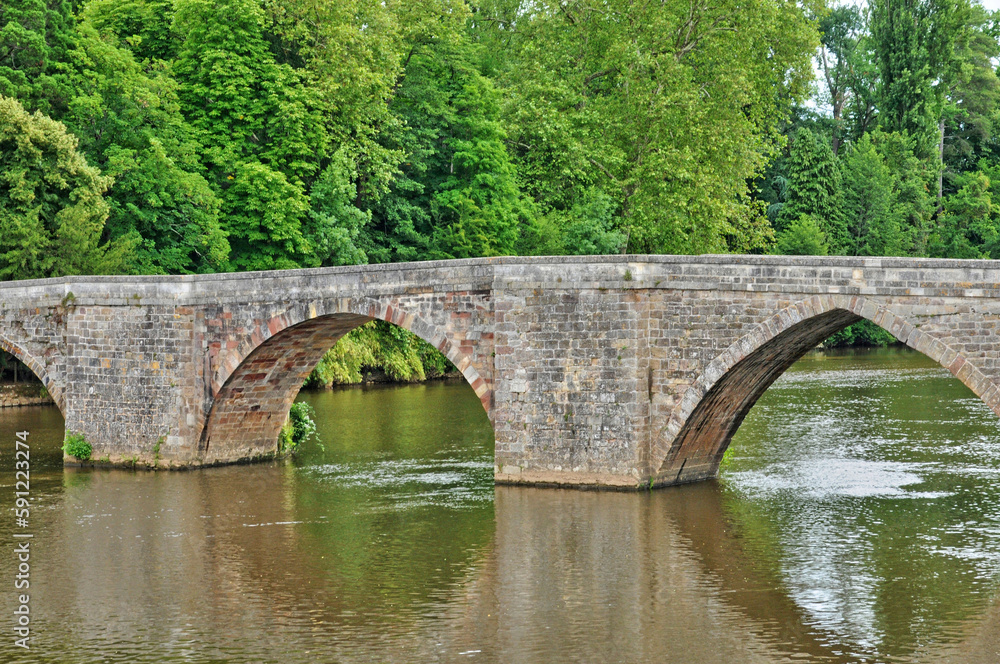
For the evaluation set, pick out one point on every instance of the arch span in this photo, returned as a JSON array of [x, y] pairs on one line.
[[38, 368], [691, 445], [257, 380]]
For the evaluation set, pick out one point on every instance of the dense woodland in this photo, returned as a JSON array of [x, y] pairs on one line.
[[191, 136]]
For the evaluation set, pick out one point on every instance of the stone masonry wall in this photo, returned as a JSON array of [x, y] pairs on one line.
[[617, 371], [130, 379], [572, 390], [685, 323]]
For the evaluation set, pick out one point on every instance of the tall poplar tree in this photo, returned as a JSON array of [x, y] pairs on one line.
[[915, 43]]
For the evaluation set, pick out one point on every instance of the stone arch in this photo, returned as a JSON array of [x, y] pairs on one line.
[[38, 368], [700, 427], [256, 379]]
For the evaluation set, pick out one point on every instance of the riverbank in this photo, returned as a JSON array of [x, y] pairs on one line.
[[373, 377], [376, 376], [13, 395]]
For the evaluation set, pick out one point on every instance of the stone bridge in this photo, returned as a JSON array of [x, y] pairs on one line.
[[620, 371]]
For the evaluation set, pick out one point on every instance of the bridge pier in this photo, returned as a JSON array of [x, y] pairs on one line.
[[618, 372]]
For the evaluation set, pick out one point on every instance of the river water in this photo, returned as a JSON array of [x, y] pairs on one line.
[[856, 519]]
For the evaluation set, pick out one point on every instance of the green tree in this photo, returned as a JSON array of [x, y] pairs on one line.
[[968, 225], [803, 237], [129, 124], [862, 333], [972, 97], [840, 32], [585, 229], [915, 43], [35, 37], [336, 224], [670, 108], [814, 188], [478, 209], [355, 53], [263, 218], [243, 104], [144, 25], [920, 46], [863, 81], [913, 199], [261, 127], [871, 215], [457, 193], [380, 346], [52, 210]]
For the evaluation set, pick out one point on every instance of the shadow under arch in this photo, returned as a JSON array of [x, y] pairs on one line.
[[54, 389], [258, 377], [690, 447]]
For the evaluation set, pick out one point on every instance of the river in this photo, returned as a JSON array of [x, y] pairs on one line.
[[856, 519]]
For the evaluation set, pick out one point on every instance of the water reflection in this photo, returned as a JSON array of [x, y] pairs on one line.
[[623, 577], [880, 506], [850, 525]]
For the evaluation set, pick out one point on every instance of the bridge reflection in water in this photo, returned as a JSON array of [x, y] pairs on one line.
[[563, 576]]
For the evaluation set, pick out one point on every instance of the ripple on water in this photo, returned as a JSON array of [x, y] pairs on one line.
[[858, 520], [405, 483], [822, 478]]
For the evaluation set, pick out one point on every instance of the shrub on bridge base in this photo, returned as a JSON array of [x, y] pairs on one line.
[[298, 428], [77, 446]]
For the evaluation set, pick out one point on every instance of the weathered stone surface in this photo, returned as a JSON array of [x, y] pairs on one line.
[[620, 371]]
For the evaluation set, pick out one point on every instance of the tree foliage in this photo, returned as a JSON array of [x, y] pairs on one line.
[[184, 136], [668, 108], [872, 217], [840, 54], [129, 123], [803, 236], [52, 208], [915, 43], [814, 187]]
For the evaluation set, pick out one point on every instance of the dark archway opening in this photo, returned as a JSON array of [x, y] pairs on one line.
[[19, 386]]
